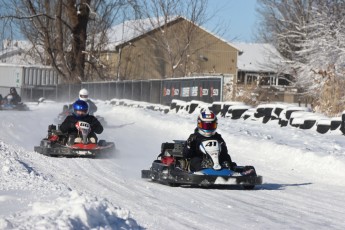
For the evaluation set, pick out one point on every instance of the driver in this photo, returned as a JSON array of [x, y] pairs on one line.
[[206, 130], [13, 97], [80, 113], [84, 96]]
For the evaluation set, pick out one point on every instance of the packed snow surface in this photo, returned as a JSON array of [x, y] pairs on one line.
[[303, 173]]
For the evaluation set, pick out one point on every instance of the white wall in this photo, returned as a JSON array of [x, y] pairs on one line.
[[10, 76]]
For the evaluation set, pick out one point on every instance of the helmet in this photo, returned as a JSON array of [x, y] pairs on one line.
[[9, 98], [83, 95], [13, 90], [82, 106], [207, 123]]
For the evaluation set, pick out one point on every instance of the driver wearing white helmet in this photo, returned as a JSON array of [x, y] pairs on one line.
[[9, 99], [84, 96]]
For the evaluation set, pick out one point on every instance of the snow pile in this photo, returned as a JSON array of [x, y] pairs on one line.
[[18, 174], [54, 205], [75, 211]]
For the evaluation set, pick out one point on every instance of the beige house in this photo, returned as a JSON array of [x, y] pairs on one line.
[[146, 49]]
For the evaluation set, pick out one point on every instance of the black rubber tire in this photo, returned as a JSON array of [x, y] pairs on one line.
[[248, 187], [171, 184]]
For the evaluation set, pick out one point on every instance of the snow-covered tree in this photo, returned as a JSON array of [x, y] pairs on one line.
[[310, 35], [66, 34]]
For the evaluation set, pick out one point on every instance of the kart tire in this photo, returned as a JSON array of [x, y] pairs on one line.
[[248, 187], [102, 143], [172, 184]]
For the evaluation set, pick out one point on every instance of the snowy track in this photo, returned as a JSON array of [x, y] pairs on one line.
[[303, 174]]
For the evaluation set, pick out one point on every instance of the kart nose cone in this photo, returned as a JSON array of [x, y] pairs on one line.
[[217, 167]]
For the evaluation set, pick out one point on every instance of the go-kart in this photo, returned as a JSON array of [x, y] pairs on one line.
[[18, 107], [59, 144], [172, 168]]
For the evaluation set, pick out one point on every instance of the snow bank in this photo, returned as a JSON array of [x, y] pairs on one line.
[[55, 205], [74, 211]]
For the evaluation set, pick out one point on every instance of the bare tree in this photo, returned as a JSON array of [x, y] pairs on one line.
[[66, 34]]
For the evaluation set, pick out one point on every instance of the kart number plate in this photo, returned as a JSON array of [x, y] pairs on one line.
[[84, 152], [221, 180]]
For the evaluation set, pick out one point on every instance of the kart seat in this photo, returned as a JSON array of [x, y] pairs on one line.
[[172, 149]]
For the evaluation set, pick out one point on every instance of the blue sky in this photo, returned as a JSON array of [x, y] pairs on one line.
[[237, 17]]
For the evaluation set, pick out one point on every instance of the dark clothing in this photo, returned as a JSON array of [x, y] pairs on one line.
[[15, 98], [342, 125], [191, 149], [92, 107], [68, 125]]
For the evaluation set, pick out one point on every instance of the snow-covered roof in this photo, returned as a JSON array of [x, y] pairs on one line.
[[131, 29], [9, 52], [258, 57], [14, 52]]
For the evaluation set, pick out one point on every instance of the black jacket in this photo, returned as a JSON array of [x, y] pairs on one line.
[[191, 147], [68, 125]]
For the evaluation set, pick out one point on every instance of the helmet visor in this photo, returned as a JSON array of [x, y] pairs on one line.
[[80, 113], [83, 96], [207, 125]]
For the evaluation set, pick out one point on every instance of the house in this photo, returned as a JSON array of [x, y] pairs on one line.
[[176, 47], [166, 48], [261, 64], [263, 73]]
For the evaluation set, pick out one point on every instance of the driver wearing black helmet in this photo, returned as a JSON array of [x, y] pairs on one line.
[[13, 97]]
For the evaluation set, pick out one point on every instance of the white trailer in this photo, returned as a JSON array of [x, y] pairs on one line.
[[10, 76], [25, 76]]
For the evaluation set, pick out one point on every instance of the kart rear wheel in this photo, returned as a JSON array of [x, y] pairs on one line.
[[172, 184], [102, 143]]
